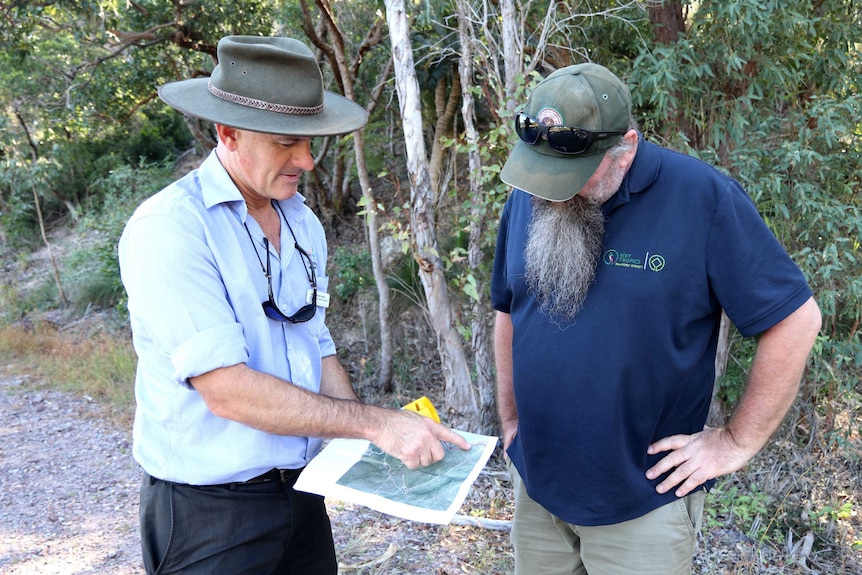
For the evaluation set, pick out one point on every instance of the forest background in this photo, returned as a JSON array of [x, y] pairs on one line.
[[768, 91]]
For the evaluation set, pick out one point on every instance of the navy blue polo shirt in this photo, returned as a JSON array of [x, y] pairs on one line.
[[636, 364]]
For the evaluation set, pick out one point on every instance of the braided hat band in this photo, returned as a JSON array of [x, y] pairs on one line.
[[261, 105]]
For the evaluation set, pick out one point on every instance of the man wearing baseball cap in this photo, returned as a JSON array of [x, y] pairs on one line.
[[615, 258], [237, 378]]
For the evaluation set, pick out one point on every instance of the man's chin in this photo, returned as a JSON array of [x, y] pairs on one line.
[[285, 192]]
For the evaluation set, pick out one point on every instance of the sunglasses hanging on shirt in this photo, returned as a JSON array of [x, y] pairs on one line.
[[313, 298]]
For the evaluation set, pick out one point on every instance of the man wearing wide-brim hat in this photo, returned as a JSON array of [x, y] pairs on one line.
[[237, 378], [615, 258]]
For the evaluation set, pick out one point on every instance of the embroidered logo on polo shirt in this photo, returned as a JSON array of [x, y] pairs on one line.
[[651, 262]]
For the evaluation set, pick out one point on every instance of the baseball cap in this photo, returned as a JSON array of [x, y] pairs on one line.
[[588, 96]]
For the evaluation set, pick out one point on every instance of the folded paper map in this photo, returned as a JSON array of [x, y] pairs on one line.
[[357, 471]]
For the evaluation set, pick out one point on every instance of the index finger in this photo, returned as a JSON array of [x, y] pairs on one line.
[[448, 435], [668, 443]]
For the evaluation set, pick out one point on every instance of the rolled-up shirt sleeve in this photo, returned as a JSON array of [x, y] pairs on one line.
[[177, 299], [221, 346]]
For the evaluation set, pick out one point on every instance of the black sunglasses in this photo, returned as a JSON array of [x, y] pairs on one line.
[[569, 140], [271, 310], [307, 311]]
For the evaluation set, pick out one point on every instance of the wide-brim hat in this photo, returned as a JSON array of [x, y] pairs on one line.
[[588, 96], [266, 84]]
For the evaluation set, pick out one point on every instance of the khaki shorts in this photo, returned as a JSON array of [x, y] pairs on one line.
[[661, 542]]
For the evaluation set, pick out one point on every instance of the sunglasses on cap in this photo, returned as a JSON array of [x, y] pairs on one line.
[[569, 140]]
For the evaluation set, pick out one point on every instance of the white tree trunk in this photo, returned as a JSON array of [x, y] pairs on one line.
[[512, 52], [461, 406], [348, 78]]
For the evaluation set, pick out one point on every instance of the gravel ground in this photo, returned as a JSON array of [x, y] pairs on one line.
[[69, 502], [68, 487]]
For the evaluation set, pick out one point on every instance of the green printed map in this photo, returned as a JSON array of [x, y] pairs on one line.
[[434, 487], [356, 471]]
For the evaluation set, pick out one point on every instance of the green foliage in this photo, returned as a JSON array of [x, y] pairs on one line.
[[69, 181], [351, 271], [78, 80], [18, 221], [730, 504], [17, 303], [756, 89], [405, 285], [833, 512], [732, 383], [93, 270], [152, 136]]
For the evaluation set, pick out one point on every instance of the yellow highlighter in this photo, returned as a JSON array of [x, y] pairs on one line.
[[423, 406]]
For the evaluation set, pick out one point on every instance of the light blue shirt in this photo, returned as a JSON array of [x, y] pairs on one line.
[[195, 289]]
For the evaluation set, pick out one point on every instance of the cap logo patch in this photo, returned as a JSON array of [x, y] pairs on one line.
[[549, 117]]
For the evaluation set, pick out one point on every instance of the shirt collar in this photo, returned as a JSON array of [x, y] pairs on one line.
[[218, 188]]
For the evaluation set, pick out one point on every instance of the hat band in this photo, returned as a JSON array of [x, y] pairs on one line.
[[262, 105]]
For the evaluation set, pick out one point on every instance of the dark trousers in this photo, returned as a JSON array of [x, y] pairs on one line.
[[263, 527]]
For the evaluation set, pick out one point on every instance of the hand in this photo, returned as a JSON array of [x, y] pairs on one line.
[[414, 439], [510, 430], [696, 458]]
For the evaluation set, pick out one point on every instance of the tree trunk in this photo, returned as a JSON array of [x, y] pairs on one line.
[[447, 106], [346, 74], [481, 341], [384, 375], [668, 25], [667, 21], [512, 52], [460, 400], [716, 415]]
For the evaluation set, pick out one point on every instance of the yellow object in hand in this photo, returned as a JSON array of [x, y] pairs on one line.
[[423, 406]]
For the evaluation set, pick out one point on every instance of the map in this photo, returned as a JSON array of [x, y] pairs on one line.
[[357, 471]]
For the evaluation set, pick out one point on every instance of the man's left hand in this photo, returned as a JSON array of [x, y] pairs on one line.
[[695, 459]]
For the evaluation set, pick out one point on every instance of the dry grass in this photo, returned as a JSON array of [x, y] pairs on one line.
[[86, 357]]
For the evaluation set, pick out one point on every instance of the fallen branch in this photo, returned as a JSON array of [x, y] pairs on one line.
[[385, 557], [495, 524], [805, 551]]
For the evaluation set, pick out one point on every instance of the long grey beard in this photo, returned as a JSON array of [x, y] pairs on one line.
[[564, 243]]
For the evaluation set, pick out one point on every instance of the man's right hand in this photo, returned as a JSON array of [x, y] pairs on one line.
[[414, 439]]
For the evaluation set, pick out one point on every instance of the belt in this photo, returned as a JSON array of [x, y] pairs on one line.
[[284, 476], [280, 475]]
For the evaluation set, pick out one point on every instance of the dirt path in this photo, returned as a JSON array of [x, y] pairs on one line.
[[69, 502], [69, 505], [68, 487]]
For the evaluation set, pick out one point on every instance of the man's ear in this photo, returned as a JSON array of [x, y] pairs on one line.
[[626, 159], [227, 136]]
